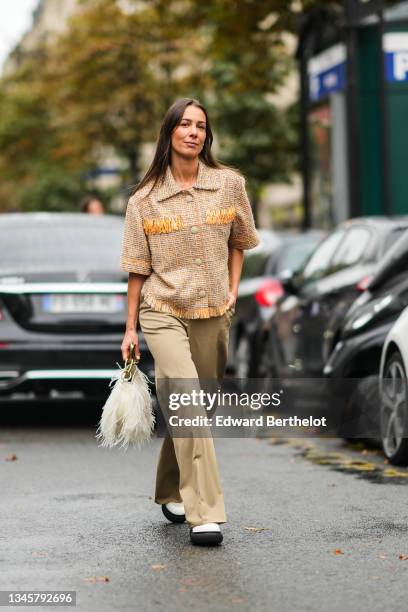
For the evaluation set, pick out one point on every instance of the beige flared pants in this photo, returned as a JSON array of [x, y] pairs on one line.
[[192, 349]]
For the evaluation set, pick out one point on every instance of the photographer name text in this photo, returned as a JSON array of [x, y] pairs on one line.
[[259, 421]]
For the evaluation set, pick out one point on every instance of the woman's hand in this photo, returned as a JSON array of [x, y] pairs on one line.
[[231, 298], [130, 336]]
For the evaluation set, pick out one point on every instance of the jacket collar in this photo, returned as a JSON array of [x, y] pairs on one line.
[[207, 178]]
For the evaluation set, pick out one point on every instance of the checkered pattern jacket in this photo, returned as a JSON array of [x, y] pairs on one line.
[[180, 239]]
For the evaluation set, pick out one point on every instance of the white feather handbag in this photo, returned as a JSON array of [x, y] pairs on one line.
[[127, 416]]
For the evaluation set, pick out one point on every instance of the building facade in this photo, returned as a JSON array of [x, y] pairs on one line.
[[354, 74], [49, 19]]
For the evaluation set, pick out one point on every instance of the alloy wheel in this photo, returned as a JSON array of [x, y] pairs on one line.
[[393, 407], [242, 358]]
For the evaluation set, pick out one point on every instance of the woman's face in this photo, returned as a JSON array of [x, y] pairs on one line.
[[189, 136]]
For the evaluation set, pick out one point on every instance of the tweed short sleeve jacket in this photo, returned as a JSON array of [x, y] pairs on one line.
[[180, 239]]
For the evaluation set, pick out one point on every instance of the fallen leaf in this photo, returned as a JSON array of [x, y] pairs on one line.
[[359, 464], [382, 557], [97, 579], [256, 529], [12, 457], [157, 566], [393, 473], [385, 461], [338, 551], [402, 557]]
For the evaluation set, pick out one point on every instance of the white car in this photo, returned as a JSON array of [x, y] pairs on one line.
[[393, 392]]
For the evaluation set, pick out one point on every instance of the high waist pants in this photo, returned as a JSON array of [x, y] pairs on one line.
[[187, 469]]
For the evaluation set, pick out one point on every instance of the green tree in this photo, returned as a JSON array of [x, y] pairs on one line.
[[32, 178], [249, 64], [108, 79], [259, 139], [114, 73]]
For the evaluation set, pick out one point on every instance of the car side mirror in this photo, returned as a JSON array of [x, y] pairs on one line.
[[288, 280]]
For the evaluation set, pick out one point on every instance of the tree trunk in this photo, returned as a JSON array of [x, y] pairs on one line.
[[255, 205], [134, 170]]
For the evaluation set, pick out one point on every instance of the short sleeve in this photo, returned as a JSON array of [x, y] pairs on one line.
[[135, 256], [243, 232]]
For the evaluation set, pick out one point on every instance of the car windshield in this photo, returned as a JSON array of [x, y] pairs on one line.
[[254, 265], [317, 265], [393, 236], [67, 243], [256, 259], [294, 255], [394, 263]]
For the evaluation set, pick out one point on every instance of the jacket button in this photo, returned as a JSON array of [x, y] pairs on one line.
[[198, 261], [194, 229], [201, 293]]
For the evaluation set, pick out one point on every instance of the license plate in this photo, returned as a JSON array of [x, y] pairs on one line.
[[81, 302]]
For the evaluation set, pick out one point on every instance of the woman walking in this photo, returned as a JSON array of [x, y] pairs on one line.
[[186, 227]]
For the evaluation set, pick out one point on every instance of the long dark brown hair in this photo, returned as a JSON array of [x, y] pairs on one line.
[[162, 156]]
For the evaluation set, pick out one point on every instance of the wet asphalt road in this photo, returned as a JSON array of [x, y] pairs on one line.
[[313, 525]]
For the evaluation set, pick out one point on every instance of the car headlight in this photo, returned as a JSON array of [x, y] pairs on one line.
[[365, 317]]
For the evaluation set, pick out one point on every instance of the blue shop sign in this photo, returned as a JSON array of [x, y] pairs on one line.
[[327, 72], [395, 47]]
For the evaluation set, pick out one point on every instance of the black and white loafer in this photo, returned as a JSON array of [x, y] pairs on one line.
[[206, 535], [174, 512]]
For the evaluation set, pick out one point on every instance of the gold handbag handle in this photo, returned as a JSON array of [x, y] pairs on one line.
[[130, 364]]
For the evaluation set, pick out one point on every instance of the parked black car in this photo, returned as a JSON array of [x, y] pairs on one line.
[[253, 269], [258, 295], [306, 324], [357, 354], [62, 305]]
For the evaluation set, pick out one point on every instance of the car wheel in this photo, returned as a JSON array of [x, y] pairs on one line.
[[267, 368], [243, 357], [394, 413], [246, 360], [265, 364], [361, 415]]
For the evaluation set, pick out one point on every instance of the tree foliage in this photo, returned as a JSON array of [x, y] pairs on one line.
[[107, 80], [114, 74]]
